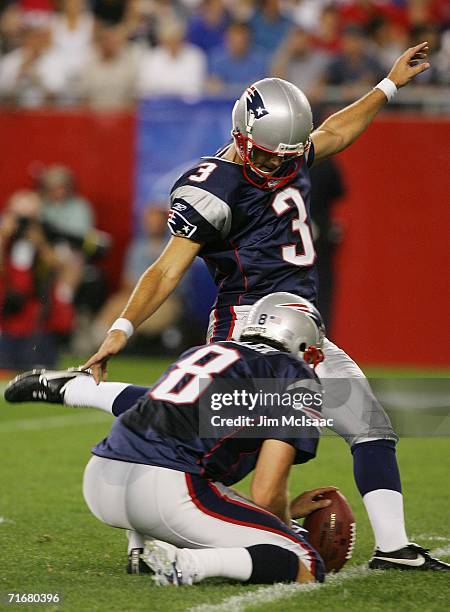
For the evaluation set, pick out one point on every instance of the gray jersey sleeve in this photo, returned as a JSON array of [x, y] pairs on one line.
[[198, 214]]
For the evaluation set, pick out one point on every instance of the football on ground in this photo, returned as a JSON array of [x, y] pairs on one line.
[[332, 531]]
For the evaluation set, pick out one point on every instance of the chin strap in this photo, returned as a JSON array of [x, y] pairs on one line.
[[244, 146], [313, 356]]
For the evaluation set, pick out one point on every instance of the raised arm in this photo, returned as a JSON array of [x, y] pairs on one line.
[[342, 128], [154, 286]]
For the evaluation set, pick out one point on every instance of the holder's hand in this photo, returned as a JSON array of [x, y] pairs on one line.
[[307, 502]]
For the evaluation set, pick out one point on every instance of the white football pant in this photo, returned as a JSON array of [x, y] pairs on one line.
[[184, 510]]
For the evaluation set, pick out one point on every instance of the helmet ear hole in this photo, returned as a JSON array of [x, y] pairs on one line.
[[302, 347]]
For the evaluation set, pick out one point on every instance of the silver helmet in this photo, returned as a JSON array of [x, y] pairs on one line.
[[288, 320], [275, 116]]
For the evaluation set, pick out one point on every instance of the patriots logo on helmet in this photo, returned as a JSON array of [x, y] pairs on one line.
[[296, 306], [255, 103], [307, 309]]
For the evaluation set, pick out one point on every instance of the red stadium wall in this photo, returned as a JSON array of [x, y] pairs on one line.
[[392, 290]]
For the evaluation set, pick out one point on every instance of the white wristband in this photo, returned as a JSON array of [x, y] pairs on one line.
[[124, 325], [388, 87]]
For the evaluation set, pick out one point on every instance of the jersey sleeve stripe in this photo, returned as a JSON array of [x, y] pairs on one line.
[[233, 321], [241, 268], [209, 206], [214, 329]]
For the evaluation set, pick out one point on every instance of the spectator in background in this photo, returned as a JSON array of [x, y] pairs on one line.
[[237, 64], [144, 249], [35, 302], [37, 5], [143, 18], [63, 208], [422, 13], [141, 22], [207, 26], [443, 60], [109, 77], [307, 13], [174, 67], [10, 27], [354, 67], [69, 220], [389, 38], [110, 12], [432, 36], [241, 10], [33, 74], [360, 12], [269, 26], [297, 62], [327, 36], [69, 216], [72, 30]]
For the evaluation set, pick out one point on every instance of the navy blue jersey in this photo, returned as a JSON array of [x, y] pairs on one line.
[[255, 241], [162, 429]]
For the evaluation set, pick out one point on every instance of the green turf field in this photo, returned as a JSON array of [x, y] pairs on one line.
[[50, 543]]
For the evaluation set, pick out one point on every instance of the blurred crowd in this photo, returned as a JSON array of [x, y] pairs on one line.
[[48, 242], [111, 53], [53, 289]]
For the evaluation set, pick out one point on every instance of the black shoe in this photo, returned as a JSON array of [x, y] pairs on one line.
[[411, 557], [41, 385], [135, 563]]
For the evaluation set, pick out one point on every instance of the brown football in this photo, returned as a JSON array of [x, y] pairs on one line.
[[332, 531]]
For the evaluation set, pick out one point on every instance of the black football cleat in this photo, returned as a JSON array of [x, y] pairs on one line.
[[135, 563], [41, 385], [411, 557]]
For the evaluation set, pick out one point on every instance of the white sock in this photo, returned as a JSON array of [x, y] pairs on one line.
[[135, 540], [235, 563], [385, 510], [83, 392]]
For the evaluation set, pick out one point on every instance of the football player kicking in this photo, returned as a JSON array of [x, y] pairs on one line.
[[156, 477], [245, 211]]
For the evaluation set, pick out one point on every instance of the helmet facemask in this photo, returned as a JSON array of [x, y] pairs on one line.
[[281, 176], [313, 355]]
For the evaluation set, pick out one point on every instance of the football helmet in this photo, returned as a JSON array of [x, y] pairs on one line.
[[275, 116], [290, 321]]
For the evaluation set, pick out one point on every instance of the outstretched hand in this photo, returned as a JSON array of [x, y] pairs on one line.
[[410, 64], [307, 502], [114, 342]]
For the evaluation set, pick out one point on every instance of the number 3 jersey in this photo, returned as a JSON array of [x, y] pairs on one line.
[[164, 427], [255, 241]]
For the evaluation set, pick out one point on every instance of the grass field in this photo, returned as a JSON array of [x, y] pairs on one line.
[[50, 543]]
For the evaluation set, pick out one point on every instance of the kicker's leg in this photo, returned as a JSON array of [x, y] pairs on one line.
[[360, 419]]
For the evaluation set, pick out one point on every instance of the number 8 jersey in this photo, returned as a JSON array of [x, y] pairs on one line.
[[166, 425], [255, 241]]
